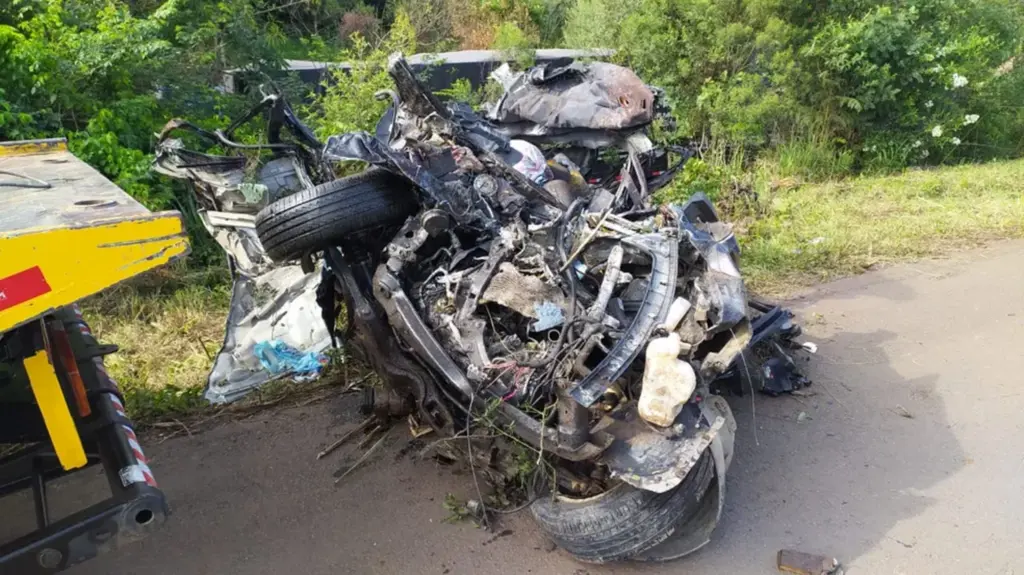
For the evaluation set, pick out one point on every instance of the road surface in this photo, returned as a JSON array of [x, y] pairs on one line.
[[908, 460]]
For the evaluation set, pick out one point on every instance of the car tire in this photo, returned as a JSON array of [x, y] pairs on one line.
[[319, 217], [623, 521]]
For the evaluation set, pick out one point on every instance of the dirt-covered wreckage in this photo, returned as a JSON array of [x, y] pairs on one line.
[[499, 270]]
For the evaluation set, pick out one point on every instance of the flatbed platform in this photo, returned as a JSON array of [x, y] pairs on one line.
[[67, 232]]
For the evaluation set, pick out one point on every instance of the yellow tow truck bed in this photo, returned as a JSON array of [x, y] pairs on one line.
[[67, 232]]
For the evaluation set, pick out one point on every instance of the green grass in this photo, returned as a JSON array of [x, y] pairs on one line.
[[169, 325], [817, 232]]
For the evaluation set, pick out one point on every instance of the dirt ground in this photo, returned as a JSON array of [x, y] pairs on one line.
[[908, 460]]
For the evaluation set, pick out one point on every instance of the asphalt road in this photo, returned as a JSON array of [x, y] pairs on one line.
[[909, 460]]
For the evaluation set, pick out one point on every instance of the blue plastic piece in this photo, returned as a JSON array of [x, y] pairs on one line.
[[278, 358]]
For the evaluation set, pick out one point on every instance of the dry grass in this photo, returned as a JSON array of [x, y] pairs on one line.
[[818, 232], [169, 325]]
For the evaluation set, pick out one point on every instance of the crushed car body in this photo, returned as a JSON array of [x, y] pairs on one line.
[[489, 281]]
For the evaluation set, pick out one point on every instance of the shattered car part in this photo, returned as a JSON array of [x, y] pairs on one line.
[[553, 99], [268, 301], [277, 305], [658, 460], [695, 532], [779, 375], [800, 563], [516, 293], [663, 250]]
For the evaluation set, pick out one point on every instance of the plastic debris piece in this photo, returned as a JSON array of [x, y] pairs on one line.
[[549, 316], [279, 358], [668, 381], [676, 312], [809, 347], [779, 376]]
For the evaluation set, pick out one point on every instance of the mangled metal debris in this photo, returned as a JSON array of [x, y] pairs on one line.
[[572, 102], [269, 302], [800, 563], [491, 280]]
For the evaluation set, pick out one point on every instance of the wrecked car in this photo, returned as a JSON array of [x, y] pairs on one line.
[[490, 282]]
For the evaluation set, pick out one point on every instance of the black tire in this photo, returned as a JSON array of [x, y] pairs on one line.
[[624, 521], [318, 217]]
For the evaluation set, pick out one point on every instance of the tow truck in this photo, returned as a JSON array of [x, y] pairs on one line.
[[66, 233]]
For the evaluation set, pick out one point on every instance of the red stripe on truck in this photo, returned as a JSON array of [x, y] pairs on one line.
[[22, 287]]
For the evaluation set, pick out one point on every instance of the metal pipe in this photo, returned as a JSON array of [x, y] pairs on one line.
[[573, 422], [39, 496], [611, 275]]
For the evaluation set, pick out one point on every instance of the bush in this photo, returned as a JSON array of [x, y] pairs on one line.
[[347, 103], [848, 83]]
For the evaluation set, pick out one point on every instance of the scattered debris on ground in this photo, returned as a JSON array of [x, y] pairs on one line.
[[800, 563], [518, 289]]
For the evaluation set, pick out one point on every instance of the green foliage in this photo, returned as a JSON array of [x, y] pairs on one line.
[[818, 232], [811, 160], [462, 90], [594, 23], [515, 44], [348, 102], [697, 177], [550, 17], [836, 77]]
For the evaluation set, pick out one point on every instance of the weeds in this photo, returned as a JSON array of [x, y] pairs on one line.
[[818, 232], [169, 325]]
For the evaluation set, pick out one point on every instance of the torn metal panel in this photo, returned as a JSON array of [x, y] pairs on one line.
[[694, 532], [658, 460], [553, 98], [527, 295], [800, 563], [278, 304], [663, 250], [224, 183]]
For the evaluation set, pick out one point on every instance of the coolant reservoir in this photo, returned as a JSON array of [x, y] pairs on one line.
[[668, 381]]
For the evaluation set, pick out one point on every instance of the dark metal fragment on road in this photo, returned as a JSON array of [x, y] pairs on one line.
[[800, 563]]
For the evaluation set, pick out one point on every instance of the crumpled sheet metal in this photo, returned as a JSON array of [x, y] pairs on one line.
[[696, 533], [522, 293], [279, 304], [268, 302], [654, 460], [554, 99], [222, 181]]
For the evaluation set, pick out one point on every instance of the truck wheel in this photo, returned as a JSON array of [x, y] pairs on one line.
[[318, 217], [623, 521]]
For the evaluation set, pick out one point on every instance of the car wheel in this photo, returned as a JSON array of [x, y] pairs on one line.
[[319, 217], [623, 521]]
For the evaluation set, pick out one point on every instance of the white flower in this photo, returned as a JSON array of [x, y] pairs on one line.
[[936, 69], [956, 141], [924, 154], [970, 119], [937, 132], [917, 143], [959, 81], [929, 104]]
